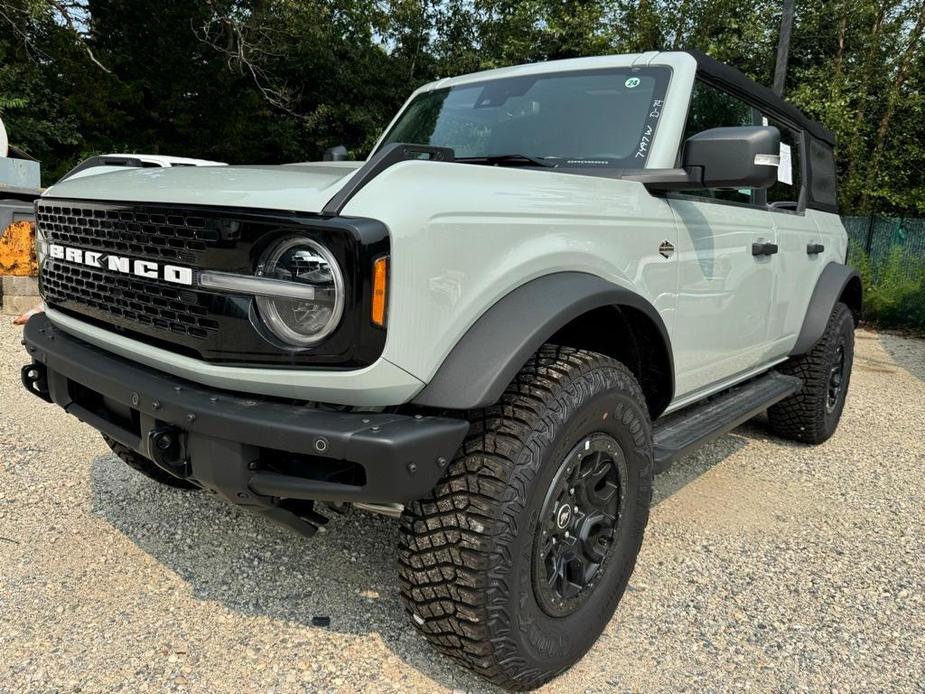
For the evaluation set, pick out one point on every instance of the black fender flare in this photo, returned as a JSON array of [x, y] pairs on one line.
[[830, 287], [488, 356]]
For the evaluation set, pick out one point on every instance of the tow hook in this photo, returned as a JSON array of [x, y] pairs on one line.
[[35, 379], [165, 449]]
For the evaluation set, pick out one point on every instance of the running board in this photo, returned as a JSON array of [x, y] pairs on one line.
[[682, 432]]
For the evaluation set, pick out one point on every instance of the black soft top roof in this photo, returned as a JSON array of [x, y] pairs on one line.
[[735, 81]]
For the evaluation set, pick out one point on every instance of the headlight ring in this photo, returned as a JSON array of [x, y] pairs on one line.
[[304, 262]]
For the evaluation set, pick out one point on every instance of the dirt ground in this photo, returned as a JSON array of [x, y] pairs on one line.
[[767, 566]]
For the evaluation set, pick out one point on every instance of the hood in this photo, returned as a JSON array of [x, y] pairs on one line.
[[297, 187]]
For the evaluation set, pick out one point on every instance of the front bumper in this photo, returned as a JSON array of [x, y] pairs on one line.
[[254, 452], [379, 384]]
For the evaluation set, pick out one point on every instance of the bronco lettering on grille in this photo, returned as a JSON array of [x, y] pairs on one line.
[[121, 264]]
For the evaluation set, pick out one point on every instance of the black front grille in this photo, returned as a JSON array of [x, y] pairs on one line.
[[165, 235], [153, 304], [168, 235], [209, 325]]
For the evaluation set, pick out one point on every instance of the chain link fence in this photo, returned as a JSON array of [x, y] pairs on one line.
[[879, 237], [889, 253]]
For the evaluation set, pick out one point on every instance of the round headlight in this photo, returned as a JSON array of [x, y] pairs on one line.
[[302, 321]]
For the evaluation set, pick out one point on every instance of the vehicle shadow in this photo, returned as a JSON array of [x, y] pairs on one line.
[[344, 577], [345, 574], [685, 470]]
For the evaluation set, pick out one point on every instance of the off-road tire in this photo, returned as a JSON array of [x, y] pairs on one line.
[[145, 466], [467, 550], [808, 415]]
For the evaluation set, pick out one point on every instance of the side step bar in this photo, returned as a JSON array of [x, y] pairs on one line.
[[682, 432]]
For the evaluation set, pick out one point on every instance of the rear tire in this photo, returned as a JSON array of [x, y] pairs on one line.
[[813, 413], [146, 467], [515, 563]]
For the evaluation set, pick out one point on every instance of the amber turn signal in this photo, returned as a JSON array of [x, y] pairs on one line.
[[380, 284]]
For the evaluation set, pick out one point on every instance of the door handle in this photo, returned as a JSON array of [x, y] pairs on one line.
[[814, 248], [764, 248]]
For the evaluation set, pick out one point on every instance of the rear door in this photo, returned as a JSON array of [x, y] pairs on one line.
[[726, 292], [802, 252]]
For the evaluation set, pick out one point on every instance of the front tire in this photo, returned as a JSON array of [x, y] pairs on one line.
[[515, 563], [812, 414]]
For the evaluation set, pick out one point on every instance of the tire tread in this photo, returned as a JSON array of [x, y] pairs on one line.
[[456, 542], [801, 417]]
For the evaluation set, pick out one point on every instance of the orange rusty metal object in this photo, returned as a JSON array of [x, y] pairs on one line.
[[23, 318], [17, 250]]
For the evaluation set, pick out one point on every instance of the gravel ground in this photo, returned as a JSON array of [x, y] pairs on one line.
[[767, 565]]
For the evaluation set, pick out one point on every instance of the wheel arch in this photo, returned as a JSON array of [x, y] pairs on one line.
[[852, 295], [837, 283], [565, 308]]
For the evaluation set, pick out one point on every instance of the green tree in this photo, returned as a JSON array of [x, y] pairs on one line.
[[281, 80]]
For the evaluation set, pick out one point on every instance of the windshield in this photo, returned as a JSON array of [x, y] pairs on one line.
[[591, 118]]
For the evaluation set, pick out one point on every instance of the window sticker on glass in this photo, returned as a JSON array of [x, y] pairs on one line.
[[785, 169]]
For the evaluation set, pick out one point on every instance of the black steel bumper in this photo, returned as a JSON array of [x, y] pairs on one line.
[[254, 452]]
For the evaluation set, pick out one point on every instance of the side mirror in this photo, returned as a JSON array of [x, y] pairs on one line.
[[743, 157], [338, 153]]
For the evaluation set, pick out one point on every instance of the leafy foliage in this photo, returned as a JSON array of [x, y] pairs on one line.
[[894, 294], [280, 80]]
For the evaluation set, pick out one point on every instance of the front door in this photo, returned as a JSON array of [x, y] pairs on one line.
[[726, 267], [725, 292]]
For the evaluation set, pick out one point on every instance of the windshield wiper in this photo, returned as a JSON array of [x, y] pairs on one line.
[[515, 159]]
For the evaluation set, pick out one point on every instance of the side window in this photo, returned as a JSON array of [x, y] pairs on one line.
[[822, 176], [713, 108], [785, 194]]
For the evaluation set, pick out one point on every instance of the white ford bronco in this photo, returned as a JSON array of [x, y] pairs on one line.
[[544, 284]]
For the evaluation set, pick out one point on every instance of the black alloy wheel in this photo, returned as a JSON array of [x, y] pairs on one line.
[[836, 378], [578, 524]]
